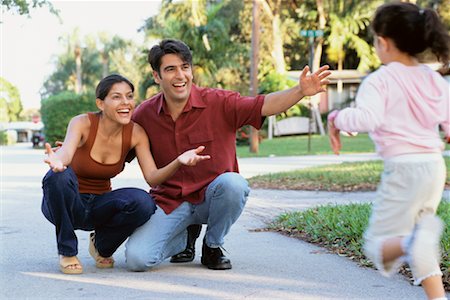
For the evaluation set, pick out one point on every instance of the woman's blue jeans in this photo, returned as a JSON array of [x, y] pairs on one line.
[[113, 215], [165, 235]]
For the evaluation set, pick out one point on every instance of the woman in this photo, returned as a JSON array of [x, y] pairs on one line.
[[77, 188]]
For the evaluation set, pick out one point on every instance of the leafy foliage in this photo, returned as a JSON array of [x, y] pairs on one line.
[[209, 28], [22, 7], [273, 82], [10, 103], [58, 110], [101, 54]]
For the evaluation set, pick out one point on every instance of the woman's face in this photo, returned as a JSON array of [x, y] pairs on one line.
[[119, 104]]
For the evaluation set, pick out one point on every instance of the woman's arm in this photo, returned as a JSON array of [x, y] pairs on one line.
[[59, 160], [152, 174]]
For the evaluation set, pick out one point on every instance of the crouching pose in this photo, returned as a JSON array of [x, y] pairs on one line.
[[77, 188], [183, 116]]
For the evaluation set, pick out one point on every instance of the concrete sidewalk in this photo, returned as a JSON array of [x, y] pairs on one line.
[[265, 265]]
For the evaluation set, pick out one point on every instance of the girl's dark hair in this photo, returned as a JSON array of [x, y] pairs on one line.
[[168, 46], [105, 85], [412, 29]]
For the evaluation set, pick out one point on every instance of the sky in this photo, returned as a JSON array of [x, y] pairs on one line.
[[30, 44]]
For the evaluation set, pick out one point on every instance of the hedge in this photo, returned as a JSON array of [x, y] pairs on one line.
[[58, 110]]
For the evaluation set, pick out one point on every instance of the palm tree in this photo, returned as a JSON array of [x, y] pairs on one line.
[[207, 27], [346, 23]]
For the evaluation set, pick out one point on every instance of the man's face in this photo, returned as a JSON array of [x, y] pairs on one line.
[[175, 78]]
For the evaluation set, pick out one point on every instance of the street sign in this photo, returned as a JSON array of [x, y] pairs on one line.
[[311, 33]]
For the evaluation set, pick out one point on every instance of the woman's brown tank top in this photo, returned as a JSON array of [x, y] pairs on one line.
[[94, 177]]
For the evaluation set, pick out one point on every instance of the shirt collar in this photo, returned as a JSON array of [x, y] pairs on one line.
[[195, 100]]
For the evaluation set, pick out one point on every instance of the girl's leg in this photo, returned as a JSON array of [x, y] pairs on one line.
[[62, 206], [393, 249], [117, 214], [434, 288], [408, 192]]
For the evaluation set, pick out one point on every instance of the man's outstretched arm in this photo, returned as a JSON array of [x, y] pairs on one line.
[[308, 85]]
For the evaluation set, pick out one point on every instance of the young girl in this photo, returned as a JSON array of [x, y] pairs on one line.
[[401, 105], [77, 188]]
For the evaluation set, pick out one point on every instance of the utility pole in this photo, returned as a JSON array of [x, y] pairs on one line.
[[254, 133]]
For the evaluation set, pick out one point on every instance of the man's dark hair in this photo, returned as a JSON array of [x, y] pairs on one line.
[[168, 46], [105, 85]]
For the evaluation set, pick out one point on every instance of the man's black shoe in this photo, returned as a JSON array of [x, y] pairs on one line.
[[189, 253], [214, 259]]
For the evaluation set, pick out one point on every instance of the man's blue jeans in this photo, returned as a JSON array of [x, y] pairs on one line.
[[113, 215], [165, 235]]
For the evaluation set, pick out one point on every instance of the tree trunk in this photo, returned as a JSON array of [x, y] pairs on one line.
[[278, 54], [254, 133], [105, 61], [79, 82], [322, 24]]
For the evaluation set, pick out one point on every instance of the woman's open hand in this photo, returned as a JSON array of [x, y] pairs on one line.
[[53, 160]]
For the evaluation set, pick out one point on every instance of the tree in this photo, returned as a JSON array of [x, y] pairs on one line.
[[23, 7], [85, 61], [10, 104], [211, 30], [107, 45], [348, 23]]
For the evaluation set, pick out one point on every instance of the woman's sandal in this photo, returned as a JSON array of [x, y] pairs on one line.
[[65, 262], [100, 261]]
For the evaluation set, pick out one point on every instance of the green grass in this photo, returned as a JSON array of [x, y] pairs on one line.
[[348, 176], [340, 228], [335, 227], [298, 145]]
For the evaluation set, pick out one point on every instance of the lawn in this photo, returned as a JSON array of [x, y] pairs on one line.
[[340, 228], [348, 176], [298, 145]]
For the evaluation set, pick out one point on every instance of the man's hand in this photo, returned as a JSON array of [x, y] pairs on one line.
[[311, 84], [52, 160], [191, 157]]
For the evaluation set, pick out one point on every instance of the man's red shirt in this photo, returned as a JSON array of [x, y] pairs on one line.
[[210, 118]]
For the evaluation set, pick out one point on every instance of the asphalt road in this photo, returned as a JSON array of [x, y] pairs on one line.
[[266, 265]]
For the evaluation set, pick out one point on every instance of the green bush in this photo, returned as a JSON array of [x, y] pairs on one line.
[[58, 110], [3, 138]]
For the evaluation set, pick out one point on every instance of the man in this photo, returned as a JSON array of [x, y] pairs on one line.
[[184, 116]]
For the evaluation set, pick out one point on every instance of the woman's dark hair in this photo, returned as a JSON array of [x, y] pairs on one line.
[[412, 29], [168, 46], [105, 85]]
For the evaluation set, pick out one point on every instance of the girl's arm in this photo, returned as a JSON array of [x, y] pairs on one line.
[[368, 113], [59, 160], [152, 174]]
